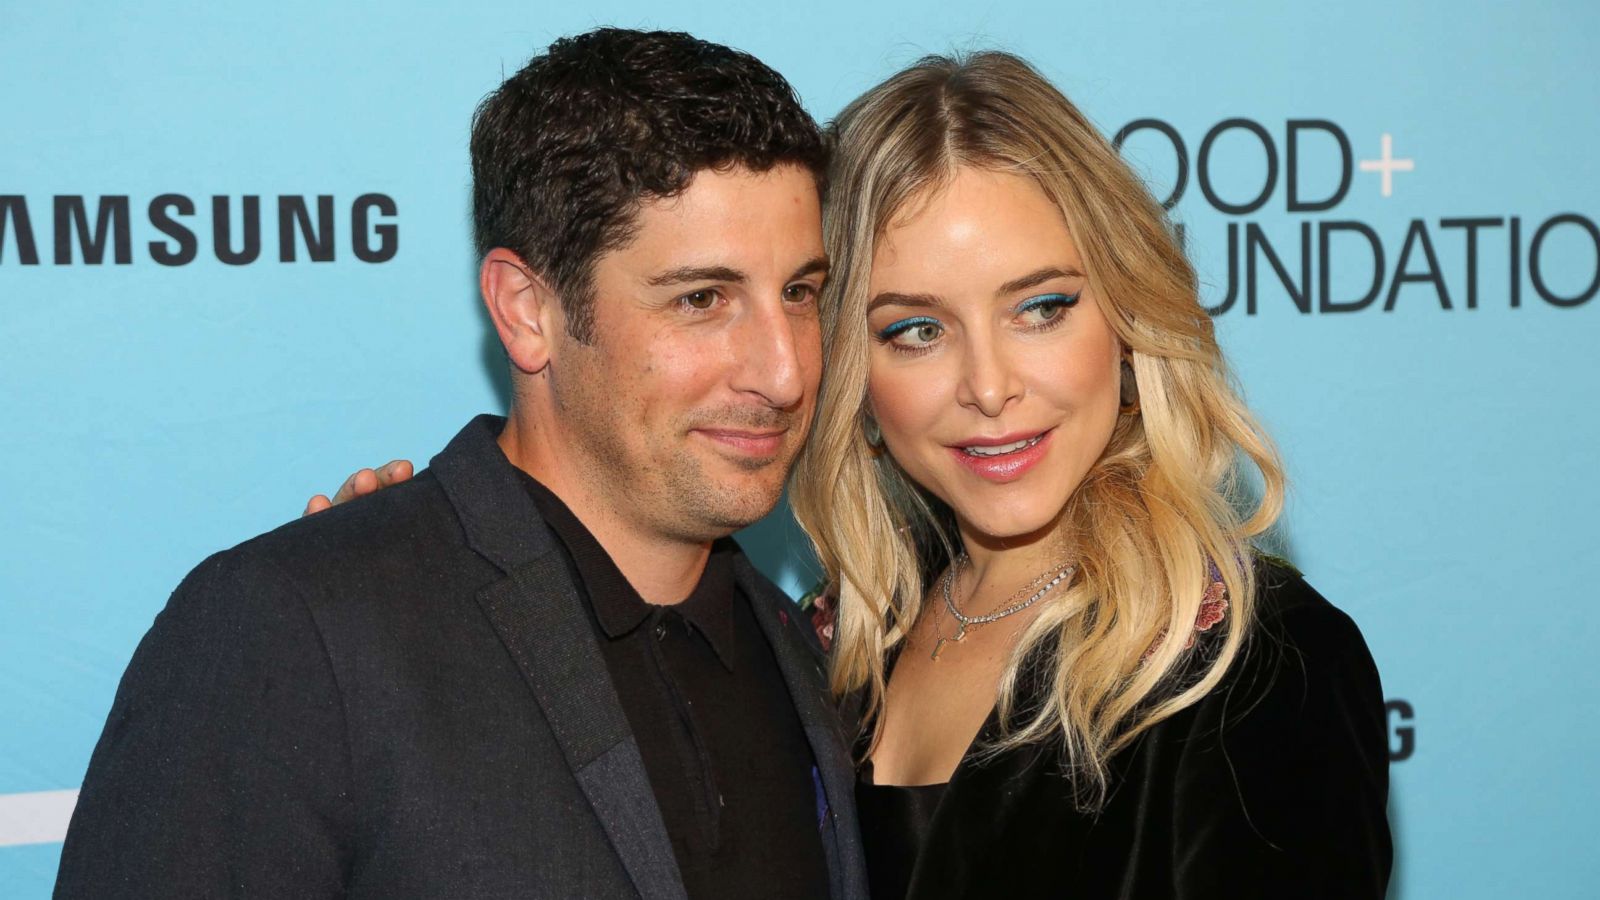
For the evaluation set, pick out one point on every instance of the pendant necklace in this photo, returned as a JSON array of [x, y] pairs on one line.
[[1056, 575]]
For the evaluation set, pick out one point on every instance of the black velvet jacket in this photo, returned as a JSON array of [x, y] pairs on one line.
[[1272, 786]]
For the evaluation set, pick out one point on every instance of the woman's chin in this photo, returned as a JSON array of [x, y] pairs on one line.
[[1009, 526]]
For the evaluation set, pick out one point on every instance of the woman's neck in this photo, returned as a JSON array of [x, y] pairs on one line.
[[998, 567]]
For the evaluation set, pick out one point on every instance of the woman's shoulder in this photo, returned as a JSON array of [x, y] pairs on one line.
[[1294, 624], [1290, 626], [1303, 677], [1295, 733]]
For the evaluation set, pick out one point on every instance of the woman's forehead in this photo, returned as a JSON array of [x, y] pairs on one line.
[[980, 222]]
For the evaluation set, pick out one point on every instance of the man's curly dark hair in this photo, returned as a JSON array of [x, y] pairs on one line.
[[566, 150]]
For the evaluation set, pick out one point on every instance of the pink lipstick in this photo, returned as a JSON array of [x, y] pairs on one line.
[[1003, 459]]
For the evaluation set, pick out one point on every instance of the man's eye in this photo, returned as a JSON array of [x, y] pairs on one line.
[[799, 293], [699, 299]]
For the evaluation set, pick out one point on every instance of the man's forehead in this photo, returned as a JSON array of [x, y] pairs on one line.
[[785, 183], [749, 224]]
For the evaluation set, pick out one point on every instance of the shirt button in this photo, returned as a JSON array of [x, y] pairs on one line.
[[661, 631]]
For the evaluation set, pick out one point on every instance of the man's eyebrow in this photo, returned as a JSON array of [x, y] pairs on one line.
[[686, 274], [814, 266], [891, 298], [1034, 279]]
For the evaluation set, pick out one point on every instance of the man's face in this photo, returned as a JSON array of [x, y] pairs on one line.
[[688, 406]]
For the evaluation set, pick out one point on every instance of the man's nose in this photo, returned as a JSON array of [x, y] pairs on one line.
[[774, 346]]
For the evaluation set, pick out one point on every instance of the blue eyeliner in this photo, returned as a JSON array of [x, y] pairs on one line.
[[1063, 300], [904, 325]]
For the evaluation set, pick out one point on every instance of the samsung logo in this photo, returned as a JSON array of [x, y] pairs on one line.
[[92, 230]]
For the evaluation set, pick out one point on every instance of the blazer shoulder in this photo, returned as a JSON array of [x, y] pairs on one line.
[[1302, 699], [401, 529], [393, 516], [1294, 616], [375, 552], [1283, 778]]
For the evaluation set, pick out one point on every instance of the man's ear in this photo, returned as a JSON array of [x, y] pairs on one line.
[[524, 308]]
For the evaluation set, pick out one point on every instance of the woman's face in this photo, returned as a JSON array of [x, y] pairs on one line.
[[994, 377]]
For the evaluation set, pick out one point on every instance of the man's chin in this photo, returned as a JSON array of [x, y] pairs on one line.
[[720, 493], [737, 464], [756, 465], [728, 512]]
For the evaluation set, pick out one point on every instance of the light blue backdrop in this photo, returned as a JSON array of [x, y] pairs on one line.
[[1443, 459]]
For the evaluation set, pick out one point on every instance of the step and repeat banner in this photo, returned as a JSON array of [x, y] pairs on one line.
[[235, 265]]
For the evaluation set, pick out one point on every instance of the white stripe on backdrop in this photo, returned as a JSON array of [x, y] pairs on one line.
[[39, 817]]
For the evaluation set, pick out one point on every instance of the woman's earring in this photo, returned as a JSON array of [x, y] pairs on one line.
[[872, 433], [1130, 389]]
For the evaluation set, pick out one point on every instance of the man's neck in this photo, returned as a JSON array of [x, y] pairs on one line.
[[663, 570]]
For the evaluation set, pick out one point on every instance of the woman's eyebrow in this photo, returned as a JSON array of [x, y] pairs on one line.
[[892, 298], [1036, 278]]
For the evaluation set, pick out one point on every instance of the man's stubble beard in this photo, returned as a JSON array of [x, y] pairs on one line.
[[667, 489]]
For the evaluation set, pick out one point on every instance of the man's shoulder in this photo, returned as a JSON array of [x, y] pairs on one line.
[[378, 544], [392, 521]]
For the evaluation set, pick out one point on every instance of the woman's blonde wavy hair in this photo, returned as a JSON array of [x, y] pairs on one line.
[[1164, 503]]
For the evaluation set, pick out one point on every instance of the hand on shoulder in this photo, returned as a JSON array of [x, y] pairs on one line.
[[362, 483]]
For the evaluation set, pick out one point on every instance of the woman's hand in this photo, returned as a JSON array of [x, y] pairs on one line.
[[361, 484]]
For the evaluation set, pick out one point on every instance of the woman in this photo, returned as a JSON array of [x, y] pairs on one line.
[[1070, 672], [1073, 675]]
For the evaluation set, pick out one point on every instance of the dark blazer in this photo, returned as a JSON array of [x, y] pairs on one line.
[[1272, 787], [401, 697]]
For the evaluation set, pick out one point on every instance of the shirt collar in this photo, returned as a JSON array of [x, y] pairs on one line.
[[709, 607], [617, 606]]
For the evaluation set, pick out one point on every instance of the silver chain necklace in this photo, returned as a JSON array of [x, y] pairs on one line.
[[965, 621]]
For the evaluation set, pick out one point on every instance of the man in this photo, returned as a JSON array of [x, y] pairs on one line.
[[539, 668]]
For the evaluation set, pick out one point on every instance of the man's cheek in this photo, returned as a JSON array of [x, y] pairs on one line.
[[680, 378], [670, 357]]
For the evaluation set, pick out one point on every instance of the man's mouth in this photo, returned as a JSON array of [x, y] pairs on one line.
[[747, 442]]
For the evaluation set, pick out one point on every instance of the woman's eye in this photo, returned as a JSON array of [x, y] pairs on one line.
[[701, 300], [912, 334], [1046, 308]]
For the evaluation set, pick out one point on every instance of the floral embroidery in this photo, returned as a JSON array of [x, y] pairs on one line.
[[821, 605], [1213, 609]]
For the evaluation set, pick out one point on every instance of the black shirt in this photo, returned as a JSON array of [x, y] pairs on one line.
[[728, 760]]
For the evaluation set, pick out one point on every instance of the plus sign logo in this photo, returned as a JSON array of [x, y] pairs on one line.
[[1386, 165], [1323, 262]]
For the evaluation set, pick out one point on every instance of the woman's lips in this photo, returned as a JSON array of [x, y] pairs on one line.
[[1005, 459]]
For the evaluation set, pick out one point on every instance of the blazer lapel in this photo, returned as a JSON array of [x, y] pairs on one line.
[[803, 673], [541, 619]]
